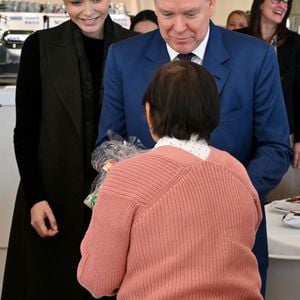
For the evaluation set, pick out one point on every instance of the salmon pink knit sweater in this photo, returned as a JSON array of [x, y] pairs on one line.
[[168, 225]]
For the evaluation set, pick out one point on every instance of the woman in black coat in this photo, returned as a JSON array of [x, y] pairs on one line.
[[268, 22], [57, 109]]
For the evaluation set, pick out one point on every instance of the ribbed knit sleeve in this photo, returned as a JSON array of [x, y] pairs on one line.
[[105, 245]]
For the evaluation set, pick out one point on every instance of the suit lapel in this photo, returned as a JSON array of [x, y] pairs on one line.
[[215, 56], [156, 55]]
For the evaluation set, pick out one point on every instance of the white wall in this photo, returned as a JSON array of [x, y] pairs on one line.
[[296, 6], [223, 7]]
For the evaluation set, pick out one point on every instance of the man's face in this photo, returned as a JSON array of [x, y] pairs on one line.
[[183, 24]]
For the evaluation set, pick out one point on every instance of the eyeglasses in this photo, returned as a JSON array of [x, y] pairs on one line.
[[278, 1]]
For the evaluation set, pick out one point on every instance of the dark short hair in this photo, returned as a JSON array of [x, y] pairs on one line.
[[183, 100], [143, 15]]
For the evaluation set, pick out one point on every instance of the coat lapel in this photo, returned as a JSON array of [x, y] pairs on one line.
[[62, 58], [215, 56]]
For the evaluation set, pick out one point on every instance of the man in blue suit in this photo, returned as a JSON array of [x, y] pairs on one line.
[[253, 125]]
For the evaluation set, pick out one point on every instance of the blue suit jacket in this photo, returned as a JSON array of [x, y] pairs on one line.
[[254, 126]]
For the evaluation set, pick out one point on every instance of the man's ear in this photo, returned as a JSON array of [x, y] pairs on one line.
[[212, 4]]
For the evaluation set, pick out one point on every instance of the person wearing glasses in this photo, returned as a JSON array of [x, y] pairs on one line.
[[268, 22]]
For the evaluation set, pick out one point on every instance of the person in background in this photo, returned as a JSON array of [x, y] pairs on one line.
[[144, 21], [185, 229], [57, 107], [253, 127], [237, 19], [268, 22]]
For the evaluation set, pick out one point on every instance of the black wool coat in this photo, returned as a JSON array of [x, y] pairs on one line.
[[289, 65]]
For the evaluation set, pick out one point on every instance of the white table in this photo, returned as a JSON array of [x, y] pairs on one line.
[[283, 280]]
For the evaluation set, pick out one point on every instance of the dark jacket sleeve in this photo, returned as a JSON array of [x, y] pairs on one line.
[[26, 132]]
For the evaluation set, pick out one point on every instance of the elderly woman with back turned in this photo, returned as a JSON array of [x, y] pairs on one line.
[[179, 221]]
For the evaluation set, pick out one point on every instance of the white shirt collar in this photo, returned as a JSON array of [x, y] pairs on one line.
[[199, 51], [196, 147]]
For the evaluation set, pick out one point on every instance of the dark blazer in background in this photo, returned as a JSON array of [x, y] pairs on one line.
[[289, 65]]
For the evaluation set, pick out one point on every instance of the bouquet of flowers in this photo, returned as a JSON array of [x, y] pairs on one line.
[[108, 154]]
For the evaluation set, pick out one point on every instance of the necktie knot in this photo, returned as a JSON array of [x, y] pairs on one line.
[[185, 56]]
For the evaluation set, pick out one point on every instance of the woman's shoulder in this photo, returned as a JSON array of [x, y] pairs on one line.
[[150, 162], [58, 32], [291, 46], [122, 32], [226, 161], [293, 37], [293, 34], [31, 42], [62, 34], [144, 175], [114, 32], [37, 35]]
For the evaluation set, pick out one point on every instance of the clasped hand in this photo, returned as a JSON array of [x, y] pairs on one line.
[[43, 219]]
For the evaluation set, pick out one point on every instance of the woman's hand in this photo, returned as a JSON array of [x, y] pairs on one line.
[[43, 220], [296, 162]]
